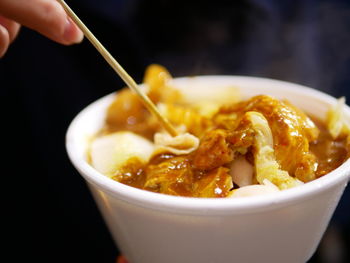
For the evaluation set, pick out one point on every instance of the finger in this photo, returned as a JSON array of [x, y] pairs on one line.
[[11, 26], [4, 40], [45, 16]]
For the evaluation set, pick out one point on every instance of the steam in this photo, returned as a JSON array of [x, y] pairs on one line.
[[306, 42]]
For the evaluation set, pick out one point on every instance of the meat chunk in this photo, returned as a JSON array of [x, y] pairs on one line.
[[292, 132], [213, 151], [217, 183], [172, 176], [127, 112]]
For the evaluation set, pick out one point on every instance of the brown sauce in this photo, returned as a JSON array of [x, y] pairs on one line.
[[330, 153], [304, 150]]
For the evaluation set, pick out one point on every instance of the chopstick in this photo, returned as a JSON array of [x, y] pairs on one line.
[[119, 69]]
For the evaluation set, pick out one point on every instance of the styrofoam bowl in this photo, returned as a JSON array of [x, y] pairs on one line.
[[156, 228]]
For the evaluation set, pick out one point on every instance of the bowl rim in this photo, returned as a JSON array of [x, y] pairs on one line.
[[207, 206]]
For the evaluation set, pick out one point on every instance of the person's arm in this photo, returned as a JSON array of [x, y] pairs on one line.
[[44, 16]]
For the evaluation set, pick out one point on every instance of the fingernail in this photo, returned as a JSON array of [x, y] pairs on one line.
[[4, 41], [72, 34]]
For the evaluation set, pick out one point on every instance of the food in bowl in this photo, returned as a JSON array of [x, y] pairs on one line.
[[227, 146]]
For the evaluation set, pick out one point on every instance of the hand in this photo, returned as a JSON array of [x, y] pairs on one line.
[[44, 16], [121, 259]]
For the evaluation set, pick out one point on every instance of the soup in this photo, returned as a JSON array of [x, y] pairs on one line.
[[227, 146]]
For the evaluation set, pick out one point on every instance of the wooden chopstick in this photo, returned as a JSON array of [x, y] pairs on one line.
[[119, 69]]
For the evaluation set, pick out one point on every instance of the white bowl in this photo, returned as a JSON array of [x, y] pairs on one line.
[[156, 228]]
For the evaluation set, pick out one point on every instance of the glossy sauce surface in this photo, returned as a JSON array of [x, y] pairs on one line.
[[302, 146], [330, 153], [184, 179]]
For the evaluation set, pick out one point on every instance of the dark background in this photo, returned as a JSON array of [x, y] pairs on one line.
[[44, 85]]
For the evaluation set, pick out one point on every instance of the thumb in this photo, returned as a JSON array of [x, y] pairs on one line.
[[44, 16]]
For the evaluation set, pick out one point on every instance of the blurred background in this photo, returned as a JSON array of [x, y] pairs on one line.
[[44, 85]]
